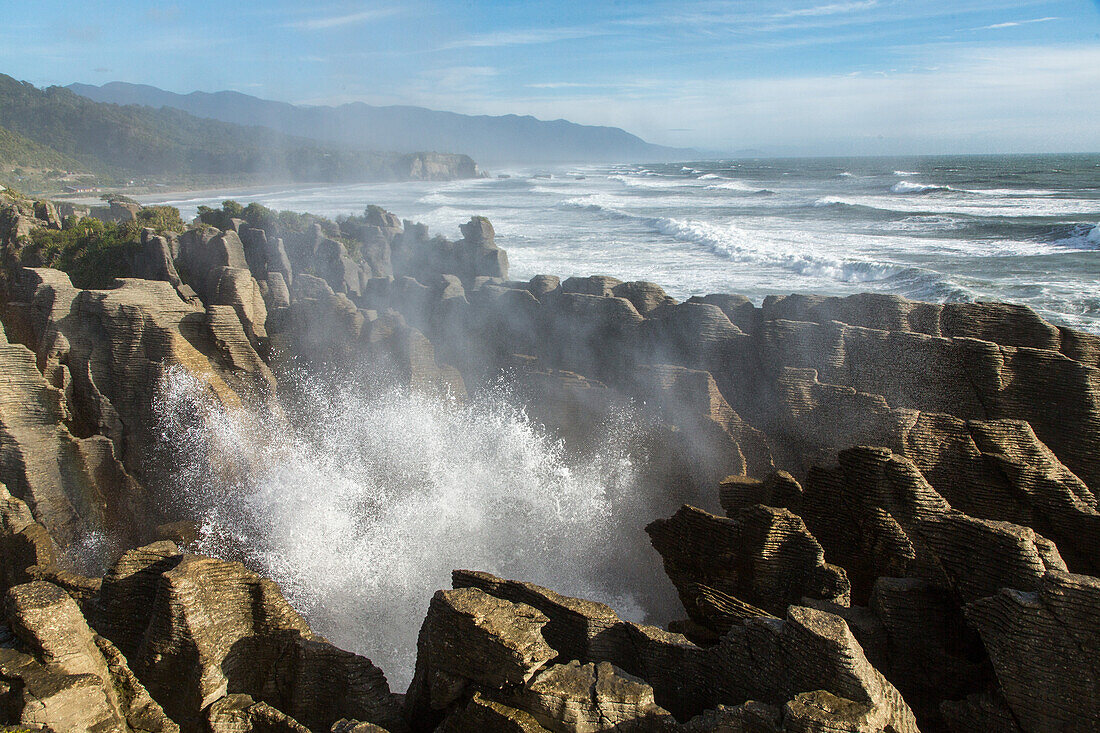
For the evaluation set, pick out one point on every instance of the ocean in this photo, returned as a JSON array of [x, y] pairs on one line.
[[1022, 229]]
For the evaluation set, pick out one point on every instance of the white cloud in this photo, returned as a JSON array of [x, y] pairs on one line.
[[978, 100], [1013, 24], [566, 85], [339, 21], [523, 37], [830, 9]]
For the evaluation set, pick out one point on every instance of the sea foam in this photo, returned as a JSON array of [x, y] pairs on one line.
[[364, 505]]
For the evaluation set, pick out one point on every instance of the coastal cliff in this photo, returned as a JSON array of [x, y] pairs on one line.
[[877, 514]]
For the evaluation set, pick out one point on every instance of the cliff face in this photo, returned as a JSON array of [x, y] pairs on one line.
[[880, 514], [435, 167]]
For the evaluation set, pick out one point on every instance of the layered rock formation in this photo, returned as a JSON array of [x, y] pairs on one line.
[[910, 537]]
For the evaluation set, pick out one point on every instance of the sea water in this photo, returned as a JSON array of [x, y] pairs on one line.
[[1022, 229]]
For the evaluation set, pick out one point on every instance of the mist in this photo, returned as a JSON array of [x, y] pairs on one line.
[[362, 503]]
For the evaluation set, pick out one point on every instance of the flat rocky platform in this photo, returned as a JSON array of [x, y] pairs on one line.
[[878, 514]]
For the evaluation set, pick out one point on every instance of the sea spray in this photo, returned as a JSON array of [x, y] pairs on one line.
[[360, 506]]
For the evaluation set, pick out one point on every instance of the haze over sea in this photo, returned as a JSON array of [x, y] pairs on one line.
[[1021, 229]]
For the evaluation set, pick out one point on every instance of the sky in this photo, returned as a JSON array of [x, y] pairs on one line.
[[828, 77]]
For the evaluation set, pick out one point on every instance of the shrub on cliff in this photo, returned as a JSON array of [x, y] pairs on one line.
[[94, 253]]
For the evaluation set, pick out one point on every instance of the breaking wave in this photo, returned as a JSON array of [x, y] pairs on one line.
[[910, 187], [741, 246], [1082, 236], [360, 506]]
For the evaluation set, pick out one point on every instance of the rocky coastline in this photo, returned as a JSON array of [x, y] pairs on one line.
[[877, 514]]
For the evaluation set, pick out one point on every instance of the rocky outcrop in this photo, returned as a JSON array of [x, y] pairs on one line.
[[73, 486], [115, 345], [765, 557], [809, 666], [1044, 644], [63, 676], [196, 629], [476, 255]]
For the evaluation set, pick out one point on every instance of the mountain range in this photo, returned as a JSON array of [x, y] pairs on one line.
[[56, 128], [490, 140]]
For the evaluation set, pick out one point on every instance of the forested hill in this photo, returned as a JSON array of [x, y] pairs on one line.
[[490, 139], [17, 151], [134, 140]]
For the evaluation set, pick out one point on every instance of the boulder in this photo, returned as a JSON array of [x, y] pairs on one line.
[[600, 285], [542, 285], [478, 230], [584, 698]]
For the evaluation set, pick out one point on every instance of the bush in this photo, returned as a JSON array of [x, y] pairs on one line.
[[91, 252], [94, 253]]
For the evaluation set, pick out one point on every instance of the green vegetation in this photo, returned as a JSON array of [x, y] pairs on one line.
[[121, 141], [94, 253], [17, 152]]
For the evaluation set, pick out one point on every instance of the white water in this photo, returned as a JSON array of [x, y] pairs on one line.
[[362, 512], [1020, 230]]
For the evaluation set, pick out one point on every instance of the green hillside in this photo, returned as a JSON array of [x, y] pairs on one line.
[[133, 141], [17, 151]]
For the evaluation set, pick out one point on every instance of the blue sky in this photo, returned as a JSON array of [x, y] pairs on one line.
[[783, 76]]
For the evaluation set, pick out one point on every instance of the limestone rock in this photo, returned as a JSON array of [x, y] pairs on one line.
[[239, 713], [645, 296], [765, 659], [877, 516], [765, 557], [72, 680], [24, 543], [478, 230], [584, 698], [203, 252], [237, 288], [575, 628], [1044, 644], [482, 714], [542, 285], [778, 489], [72, 486], [310, 286], [811, 663], [196, 629], [154, 261], [590, 334], [148, 330], [714, 438], [501, 642], [600, 285], [932, 654]]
